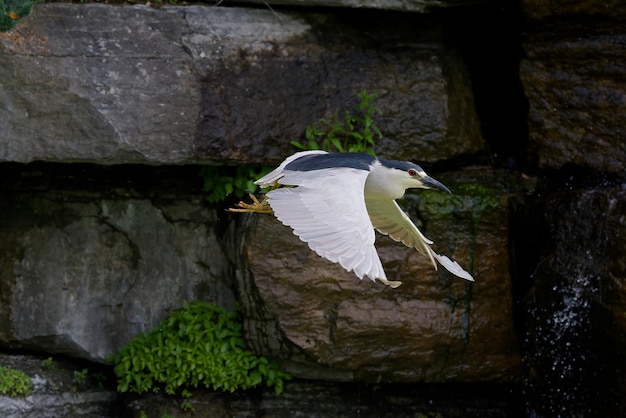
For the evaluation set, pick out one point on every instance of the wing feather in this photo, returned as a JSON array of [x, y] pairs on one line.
[[327, 210], [389, 219]]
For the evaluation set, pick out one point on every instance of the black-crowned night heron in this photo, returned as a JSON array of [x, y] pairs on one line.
[[340, 198]]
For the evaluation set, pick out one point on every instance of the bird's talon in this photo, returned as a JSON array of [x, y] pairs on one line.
[[257, 207]]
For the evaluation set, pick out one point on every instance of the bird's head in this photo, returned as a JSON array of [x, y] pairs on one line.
[[394, 175], [421, 180]]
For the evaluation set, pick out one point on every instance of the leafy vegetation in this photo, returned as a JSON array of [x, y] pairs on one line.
[[221, 182], [14, 382], [80, 376], [198, 345], [48, 364], [355, 132]]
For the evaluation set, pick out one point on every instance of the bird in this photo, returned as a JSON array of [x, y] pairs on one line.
[[334, 201]]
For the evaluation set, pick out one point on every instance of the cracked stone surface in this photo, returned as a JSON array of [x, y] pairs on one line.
[[178, 85], [83, 272]]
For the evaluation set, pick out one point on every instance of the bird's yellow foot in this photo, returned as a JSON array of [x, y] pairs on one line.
[[259, 207]]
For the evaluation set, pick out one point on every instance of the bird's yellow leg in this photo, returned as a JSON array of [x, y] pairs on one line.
[[259, 207]]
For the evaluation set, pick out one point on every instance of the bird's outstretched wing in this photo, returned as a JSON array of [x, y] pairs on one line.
[[389, 219], [327, 211]]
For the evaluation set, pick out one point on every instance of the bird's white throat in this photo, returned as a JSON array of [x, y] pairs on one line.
[[385, 183]]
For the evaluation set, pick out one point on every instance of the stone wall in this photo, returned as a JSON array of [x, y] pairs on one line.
[[109, 111]]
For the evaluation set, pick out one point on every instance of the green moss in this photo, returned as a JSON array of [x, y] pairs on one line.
[[467, 198], [14, 382], [483, 198]]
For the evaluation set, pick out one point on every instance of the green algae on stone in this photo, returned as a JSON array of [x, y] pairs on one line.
[[474, 198]]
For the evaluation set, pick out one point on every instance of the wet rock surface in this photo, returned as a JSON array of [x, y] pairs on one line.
[[575, 84], [568, 237], [435, 327], [577, 98], [571, 299]]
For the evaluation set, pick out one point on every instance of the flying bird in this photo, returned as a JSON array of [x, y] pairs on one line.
[[337, 200]]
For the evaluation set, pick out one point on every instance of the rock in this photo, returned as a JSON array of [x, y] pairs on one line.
[[575, 84], [219, 85], [570, 274], [576, 111], [434, 327], [332, 400], [87, 264], [422, 6], [540, 10], [60, 389]]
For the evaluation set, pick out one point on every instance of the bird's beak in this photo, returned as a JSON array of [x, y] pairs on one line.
[[431, 183]]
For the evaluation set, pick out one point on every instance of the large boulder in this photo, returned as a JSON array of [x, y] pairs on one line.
[[574, 84], [435, 327], [219, 85], [83, 271]]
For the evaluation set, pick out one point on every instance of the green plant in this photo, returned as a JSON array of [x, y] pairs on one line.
[[186, 405], [221, 182], [48, 364], [80, 376], [198, 345], [14, 382], [355, 132]]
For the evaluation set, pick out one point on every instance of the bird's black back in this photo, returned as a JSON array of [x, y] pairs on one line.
[[358, 160]]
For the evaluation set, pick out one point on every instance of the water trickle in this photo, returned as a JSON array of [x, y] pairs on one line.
[[563, 254]]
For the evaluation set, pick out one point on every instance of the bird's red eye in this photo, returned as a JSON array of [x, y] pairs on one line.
[[412, 172]]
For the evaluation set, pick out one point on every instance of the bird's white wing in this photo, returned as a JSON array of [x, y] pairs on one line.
[[327, 211], [389, 219]]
